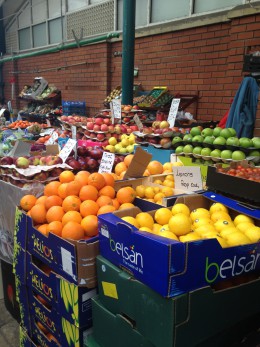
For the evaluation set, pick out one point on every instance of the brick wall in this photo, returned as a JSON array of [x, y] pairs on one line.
[[207, 60]]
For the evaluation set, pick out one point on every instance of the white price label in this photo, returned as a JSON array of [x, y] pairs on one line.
[[138, 122], [116, 107], [52, 139], [173, 112], [46, 132], [107, 162], [66, 150], [48, 122], [187, 178], [73, 132]]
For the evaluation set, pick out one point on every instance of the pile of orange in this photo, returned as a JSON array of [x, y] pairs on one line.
[[70, 206]]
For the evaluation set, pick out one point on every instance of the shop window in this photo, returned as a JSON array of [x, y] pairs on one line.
[[212, 5], [39, 35], [169, 9], [24, 39], [55, 31], [140, 14]]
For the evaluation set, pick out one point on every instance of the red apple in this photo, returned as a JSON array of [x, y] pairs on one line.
[[101, 136], [90, 125], [96, 127], [104, 127], [106, 121], [98, 121]]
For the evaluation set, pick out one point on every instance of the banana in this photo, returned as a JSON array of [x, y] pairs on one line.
[[76, 305], [64, 295], [70, 331], [68, 294]]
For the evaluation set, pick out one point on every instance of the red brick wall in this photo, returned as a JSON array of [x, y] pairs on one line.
[[207, 60]]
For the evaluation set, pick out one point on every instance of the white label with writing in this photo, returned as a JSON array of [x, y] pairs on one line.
[[173, 112], [107, 162], [65, 152], [52, 139], [116, 106], [48, 122], [73, 132], [138, 122], [46, 132], [187, 178], [66, 260]]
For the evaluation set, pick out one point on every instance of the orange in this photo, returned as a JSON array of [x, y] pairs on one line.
[[97, 180], [73, 231], [122, 175], [125, 194], [73, 188], [106, 209], [71, 203], [88, 192], [27, 202], [155, 167], [51, 188], [119, 168], [66, 176], [82, 177], [90, 225], [41, 200], [116, 203], [43, 228], [38, 214], [104, 200], [74, 216], [128, 159], [88, 207], [53, 200], [55, 213], [55, 228], [109, 178], [126, 205], [107, 191], [62, 190]]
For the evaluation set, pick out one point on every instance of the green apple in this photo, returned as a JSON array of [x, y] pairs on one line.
[[197, 138], [215, 153], [197, 150], [216, 131], [245, 142], [206, 151], [198, 161], [179, 149], [233, 131], [195, 131], [232, 141], [225, 133], [238, 155], [256, 142], [188, 149], [254, 153], [219, 141], [187, 137], [226, 154], [209, 139], [207, 132], [176, 139]]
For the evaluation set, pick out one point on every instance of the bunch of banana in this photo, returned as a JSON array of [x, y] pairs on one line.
[[71, 332], [69, 294]]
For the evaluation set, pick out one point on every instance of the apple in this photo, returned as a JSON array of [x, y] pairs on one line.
[[166, 142], [74, 164], [232, 141], [179, 149], [164, 124], [98, 121], [41, 176], [232, 131], [209, 139], [104, 127], [127, 108], [254, 153], [106, 121], [117, 129], [101, 136], [216, 131], [156, 124], [90, 125], [134, 127], [22, 163], [226, 154], [111, 128], [92, 164], [197, 138], [34, 160], [82, 151], [92, 135], [55, 172], [188, 149], [96, 127], [158, 131], [225, 133], [187, 137], [83, 163], [207, 132], [219, 141], [53, 160], [216, 153], [238, 155], [135, 107], [256, 142], [206, 151], [6, 160], [176, 139], [197, 150], [245, 142], [195, 131]]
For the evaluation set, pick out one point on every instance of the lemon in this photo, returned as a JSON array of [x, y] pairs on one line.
[[125, 142], [168, 234], [180, 224], [165, 227], [244, 226], [140, 190], [226, 231], [156, 228], [215, 216], [146, 229], [168, 183], [210, 235], [170, 178], [193, 236], [241, 218], [160, 202], [237, 239], [199, 213], [144, 219], [177, 163], [222, 224], [110, 148], [162, 215], [112, 141], [217, 206], [223, 243], [201, 221], [253, 234], [149, 193], [158, 196], [156, 190], [180, 208], [131, 220], [204, 229], [167, 166], [158, 182], [167, 191]]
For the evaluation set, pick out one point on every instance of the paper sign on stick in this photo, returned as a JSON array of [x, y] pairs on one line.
[[138, 122], [66, 150], [107, 162], [173, 112], [187, 178]]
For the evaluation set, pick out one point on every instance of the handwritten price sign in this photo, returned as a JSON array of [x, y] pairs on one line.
[[52, 139], [66, 150], [173, 112], [116, 108], [107, 162], [138, 122], [187, 178]]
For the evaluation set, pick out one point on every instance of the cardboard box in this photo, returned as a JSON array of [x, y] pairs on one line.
[[235, 186], [171, 271], [25, 340], [73, 260], [70, 300], [199, 314]]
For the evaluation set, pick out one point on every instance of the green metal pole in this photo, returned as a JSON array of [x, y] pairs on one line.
[[128, 51]]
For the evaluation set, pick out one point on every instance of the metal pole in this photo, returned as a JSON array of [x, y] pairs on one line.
[[128, 51]]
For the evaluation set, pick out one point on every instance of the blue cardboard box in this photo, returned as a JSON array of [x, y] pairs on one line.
[[171, 267], [73, 260], [160, 154]]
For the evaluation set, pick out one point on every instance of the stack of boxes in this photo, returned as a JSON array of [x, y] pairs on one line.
[[55, 281], [156, 292]]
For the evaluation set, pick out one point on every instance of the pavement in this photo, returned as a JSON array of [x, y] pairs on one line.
[[9, 328]]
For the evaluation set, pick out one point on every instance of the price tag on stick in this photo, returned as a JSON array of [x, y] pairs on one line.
[[107, 162], [173, 112], [187, 178], [52, 139], [138, 122], [66, 150], [116, 107], [73, 132]]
